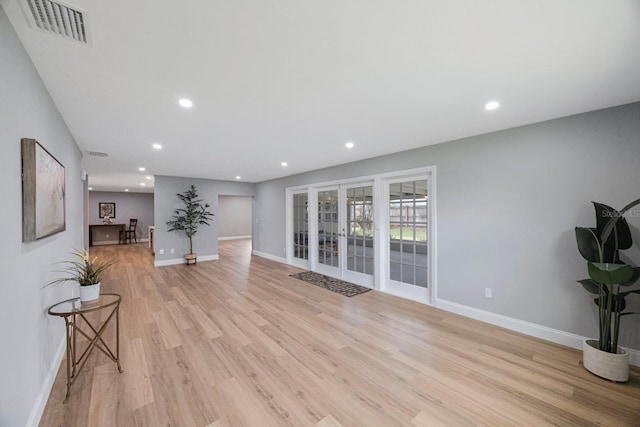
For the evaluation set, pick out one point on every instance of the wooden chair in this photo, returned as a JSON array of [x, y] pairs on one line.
[[130, 233]]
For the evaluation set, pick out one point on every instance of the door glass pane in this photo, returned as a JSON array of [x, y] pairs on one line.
[[360, 229], [408, 222], [328, 228], [300, 226]]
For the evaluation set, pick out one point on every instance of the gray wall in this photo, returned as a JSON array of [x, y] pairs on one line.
[[128, 205], [234, 216], [30, 338], [205, 242], [507, 203]]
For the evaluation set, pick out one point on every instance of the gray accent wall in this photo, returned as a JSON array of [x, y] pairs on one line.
[[234, 216], [31, 339], [507, 204], [128, 205], [205, 242]]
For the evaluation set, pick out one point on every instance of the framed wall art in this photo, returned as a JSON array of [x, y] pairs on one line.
[[106, 210], [43, 192]]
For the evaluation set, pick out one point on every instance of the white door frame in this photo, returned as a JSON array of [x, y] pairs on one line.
[[381, 227], [404, 290]]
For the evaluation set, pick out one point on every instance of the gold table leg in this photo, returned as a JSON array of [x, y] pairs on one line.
[[75, 363]]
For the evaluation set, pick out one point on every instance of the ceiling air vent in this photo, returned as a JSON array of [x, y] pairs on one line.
[[97, 154], [56, 18]]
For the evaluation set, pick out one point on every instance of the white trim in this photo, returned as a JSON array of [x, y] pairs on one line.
[[526, 328], [532, 329], [43, 396], [385, 284], [235, 237], [269, 256], [116, 242], [175, 261]]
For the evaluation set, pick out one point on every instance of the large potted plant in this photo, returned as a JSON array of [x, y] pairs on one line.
[[189, 218], [86, 272], [609, 280]]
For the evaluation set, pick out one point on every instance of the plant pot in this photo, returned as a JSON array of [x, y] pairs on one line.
[[191, 258], [612, 366], [90, 293]]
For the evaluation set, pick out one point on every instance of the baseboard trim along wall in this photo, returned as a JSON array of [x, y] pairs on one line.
[[549, 334], [115, 242], [532, 329], [47, 385], [235, 237], [174, 261], [269, 256]]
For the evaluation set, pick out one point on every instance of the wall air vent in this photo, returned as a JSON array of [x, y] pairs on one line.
[[58, 19], [97, 154]]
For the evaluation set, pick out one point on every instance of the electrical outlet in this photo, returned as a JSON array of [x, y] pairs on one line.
[[172, 251], [487, 293], [161, 251]]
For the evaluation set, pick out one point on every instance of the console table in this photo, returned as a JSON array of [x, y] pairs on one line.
[[122, 227], [71, 310]]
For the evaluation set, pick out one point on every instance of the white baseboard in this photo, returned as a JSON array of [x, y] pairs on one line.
[[269, 256], [116, 242], [527, 328], [532, 329], [234, 237], [174, 261], [47, 385]]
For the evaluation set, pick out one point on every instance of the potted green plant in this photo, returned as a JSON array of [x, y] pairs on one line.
[[609, 277], [86, 272], [189, 218]]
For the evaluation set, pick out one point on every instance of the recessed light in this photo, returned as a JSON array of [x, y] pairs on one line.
[[284, 164], [186, 103], [349, 144], [141, 169], [90, 188], [148, 177], [143, 184], [157, 146], [126, 189], [489, 106], [238, 177]]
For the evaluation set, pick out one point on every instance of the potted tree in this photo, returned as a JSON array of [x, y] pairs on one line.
[[189, 218], [608, 277], [86, 272]]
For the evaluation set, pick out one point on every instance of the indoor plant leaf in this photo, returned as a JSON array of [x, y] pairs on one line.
[[588, 243], [634, 279], [604, 214], [591, 286], [610, 274], [620, 298]]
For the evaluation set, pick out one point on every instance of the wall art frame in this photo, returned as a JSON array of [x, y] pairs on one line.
[[43, 192], [106, 210]]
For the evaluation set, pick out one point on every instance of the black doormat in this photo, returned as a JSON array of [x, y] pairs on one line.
[[336, 285]]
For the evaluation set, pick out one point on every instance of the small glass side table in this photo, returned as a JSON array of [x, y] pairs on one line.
[[70, 310]]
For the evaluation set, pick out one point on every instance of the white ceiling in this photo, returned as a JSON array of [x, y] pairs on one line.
[[293, 80]]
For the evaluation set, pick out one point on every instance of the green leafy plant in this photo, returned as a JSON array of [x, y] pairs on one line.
[[189, 218], [84, 270], [608, 275]]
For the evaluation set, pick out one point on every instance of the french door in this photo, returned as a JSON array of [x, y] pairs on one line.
[[406, 252], [340, 242], [376, 231]]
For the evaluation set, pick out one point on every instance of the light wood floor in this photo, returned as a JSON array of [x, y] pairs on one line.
[[237, 342]]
